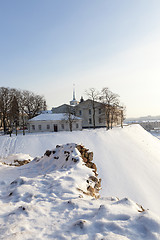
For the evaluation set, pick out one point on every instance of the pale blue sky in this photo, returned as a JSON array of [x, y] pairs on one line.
[[47, 45]]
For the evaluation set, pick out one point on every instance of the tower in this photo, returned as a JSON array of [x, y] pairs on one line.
[[74, 98], [74, 102]]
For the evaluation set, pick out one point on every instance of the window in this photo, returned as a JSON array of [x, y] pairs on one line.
[[99, 110], [100, 120], [90, 121], [39, 127], [33, 127], [62, 126], [80, 112], [77, 126], [90, 111], [48, 126]]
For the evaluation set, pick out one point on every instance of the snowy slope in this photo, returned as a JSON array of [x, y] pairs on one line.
[[44, 201], [128, 160]]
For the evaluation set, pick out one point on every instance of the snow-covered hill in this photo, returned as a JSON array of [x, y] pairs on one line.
[[128, 159], [41, 200]]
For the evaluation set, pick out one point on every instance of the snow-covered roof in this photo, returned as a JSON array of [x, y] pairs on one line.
[[53, 117]]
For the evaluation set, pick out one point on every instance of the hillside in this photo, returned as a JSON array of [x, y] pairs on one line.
[[128, 160], [56, 197], [43, 193]]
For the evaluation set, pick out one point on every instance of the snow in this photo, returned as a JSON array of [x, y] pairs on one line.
[[15, 158], [52, 117], [41, 200]]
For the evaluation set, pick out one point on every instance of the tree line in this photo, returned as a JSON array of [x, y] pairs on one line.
[[18, 105], [111, 105]]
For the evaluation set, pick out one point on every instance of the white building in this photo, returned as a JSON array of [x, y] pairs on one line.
[[92, 113], [54, 122], [85, 111]]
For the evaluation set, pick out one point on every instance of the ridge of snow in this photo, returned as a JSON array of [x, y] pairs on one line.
[[128, 159], [41, 200]]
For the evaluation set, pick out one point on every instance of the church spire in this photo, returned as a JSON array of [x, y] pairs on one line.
[[74, 102], [74, 96]]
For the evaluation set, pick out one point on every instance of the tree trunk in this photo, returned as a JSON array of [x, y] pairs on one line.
[[4, 125], [94, 125], [108, 121], [16, 127], [70, 124], [121, 118], [23, 125]]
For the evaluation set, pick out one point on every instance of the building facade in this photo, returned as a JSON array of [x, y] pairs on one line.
[[54, 123], [92, 113], [64, 108]]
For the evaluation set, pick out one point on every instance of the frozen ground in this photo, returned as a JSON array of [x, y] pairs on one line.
[[40, 200]]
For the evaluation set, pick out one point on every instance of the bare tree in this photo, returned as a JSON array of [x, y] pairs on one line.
[[113, 116], [14, 113], [21, 103], [16, 104], [93, 95], [122, 111], [111, 102], [32, 103], [5, 100], [70, 117]]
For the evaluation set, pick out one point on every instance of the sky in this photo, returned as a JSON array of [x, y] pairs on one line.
[[46, 46]]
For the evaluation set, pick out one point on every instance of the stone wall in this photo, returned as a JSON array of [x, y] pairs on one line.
[[94, 183]]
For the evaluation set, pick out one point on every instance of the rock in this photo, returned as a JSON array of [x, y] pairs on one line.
[[58, 146], [94, 179], [67, 153], [20, 163], [90, 156], [48, 153], [74, 160], [98, 185], [85, 159], [91, 190]]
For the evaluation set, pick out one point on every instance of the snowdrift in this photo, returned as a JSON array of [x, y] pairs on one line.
[[128, 159], [49, 198]]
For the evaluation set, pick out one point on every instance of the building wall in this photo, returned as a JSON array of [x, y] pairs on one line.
[[50, 126], [65, 108], [85, 111]]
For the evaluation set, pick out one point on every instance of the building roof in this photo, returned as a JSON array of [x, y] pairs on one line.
[[90, 101], [64, 108], [53, 117]]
